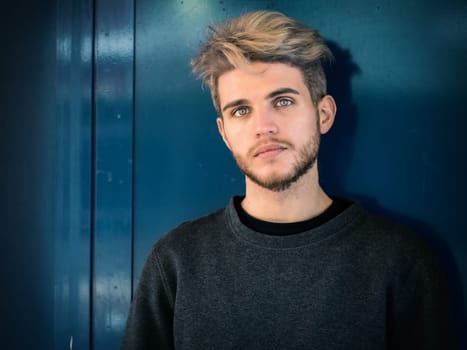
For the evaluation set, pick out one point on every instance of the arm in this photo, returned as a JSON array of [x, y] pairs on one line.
[[419, 310], [149, 324]]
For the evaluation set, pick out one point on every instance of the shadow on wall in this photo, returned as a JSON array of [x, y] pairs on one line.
[[337, 144], [336, 154]]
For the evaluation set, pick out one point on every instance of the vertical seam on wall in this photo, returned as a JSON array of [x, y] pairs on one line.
[[133, 156], [93, 176]]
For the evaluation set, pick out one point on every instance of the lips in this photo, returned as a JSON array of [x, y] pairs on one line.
[[268, 150]]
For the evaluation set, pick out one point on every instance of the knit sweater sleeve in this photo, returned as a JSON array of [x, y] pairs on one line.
[[419, 311], [149, 324]]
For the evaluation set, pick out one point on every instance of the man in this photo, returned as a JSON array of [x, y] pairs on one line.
[[286, 266]]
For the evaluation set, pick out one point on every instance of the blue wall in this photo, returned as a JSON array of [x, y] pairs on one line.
[[107, 141], [28, 157]]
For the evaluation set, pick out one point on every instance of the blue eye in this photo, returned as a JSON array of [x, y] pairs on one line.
[[283, 102], [240, 112]]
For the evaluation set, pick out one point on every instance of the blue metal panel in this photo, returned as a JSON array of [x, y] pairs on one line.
[[73, 179], [28, 169], [113, 171], [397, 144]]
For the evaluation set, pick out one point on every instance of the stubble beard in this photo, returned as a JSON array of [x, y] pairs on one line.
[[304, 161]]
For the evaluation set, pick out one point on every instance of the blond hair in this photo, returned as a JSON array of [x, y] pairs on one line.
[[263, 36]]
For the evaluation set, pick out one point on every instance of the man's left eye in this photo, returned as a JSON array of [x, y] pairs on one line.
[[283, 102]]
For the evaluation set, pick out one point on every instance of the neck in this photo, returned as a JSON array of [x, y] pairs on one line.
[[303, 200]]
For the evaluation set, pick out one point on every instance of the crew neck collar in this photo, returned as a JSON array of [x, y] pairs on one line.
[[337, 206], [328, 229]]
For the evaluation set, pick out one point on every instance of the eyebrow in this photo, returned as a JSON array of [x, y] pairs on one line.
[[281, 92], [235, 104], [273, 94]]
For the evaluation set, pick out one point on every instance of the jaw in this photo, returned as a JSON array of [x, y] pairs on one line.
[[281, 176]]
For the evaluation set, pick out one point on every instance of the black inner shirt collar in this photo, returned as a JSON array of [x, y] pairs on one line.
[[283, 229]]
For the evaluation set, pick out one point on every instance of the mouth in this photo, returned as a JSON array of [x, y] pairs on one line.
[[269, 151]]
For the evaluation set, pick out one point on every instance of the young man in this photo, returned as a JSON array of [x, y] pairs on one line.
[[286, 266]]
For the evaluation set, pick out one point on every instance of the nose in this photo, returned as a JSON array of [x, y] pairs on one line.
[[265, 123]]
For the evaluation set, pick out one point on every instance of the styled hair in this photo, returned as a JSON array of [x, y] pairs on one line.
[[263, 36]]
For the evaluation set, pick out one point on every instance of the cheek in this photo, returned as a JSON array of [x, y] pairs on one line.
[[236, 142], [308, 126], [226, 140], [233, 142], [231, 138], [231, 132]]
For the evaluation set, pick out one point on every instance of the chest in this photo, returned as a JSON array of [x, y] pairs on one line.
[[286, 300]]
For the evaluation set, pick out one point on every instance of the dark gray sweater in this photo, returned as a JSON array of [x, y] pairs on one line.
[[355, 282]]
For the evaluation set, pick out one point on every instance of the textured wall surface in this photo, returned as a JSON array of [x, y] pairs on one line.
[[107, 142]]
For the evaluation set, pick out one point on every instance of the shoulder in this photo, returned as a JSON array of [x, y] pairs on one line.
[[184, 247], [394, 245], [190, 235]]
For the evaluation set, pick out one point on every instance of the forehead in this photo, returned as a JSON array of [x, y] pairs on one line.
[[257, 80]]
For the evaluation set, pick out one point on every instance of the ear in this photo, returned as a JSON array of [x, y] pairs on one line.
[[327, 111], [220, 127]]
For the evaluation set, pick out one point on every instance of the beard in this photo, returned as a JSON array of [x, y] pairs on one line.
[[304, 160]]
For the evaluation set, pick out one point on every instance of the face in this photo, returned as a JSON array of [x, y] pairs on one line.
[[270, 123]]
